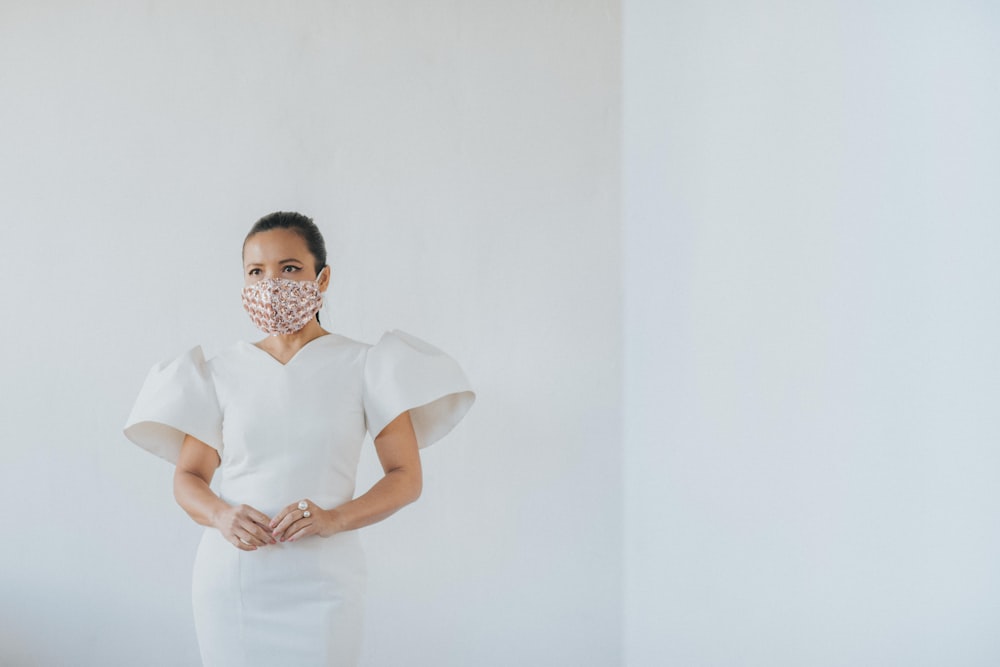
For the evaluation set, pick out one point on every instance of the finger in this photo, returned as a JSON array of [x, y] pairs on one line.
[[239, 544], [281, 515], [262, 534], [287, 522], [258, 517], [255, 522], [291, 509], [294, 522], [308, 529], [247, 516], [246, 536], [249, 533], [247, 522]]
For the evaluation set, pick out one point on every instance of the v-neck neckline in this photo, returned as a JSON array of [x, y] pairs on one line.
[[291, 358]]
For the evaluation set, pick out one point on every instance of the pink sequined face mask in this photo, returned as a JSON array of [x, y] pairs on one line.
[[282, 306]]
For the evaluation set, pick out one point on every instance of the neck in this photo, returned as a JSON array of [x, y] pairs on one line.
[[296, 340]]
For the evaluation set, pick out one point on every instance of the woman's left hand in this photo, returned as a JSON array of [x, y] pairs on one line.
[[301, 519]]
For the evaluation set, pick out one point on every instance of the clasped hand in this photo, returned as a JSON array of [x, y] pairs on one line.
[[247, 528]]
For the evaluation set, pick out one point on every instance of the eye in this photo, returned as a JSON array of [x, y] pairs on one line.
[[289, 266], [254, 272]]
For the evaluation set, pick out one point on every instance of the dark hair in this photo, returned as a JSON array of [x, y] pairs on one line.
[[301, 225], [298, 223]]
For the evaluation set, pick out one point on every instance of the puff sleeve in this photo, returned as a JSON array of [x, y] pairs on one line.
[[403, 372], [177, 398]]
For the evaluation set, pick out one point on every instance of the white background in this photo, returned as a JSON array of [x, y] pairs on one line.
[[463, 163], [800, 281], [811, 397]]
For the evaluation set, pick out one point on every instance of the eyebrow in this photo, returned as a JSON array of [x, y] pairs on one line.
[[284, 261]]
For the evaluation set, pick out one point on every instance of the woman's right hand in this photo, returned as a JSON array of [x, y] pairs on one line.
[[244, 527]]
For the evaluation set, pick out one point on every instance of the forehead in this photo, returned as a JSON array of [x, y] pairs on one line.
[[275, 245]]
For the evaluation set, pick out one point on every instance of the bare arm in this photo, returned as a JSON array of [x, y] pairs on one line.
[[243, 526], [401, 484]]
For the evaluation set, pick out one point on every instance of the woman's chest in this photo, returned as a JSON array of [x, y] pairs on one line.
[[302, 414]]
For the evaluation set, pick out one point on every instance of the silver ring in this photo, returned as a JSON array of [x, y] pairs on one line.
[[306, 514], [303, 505]]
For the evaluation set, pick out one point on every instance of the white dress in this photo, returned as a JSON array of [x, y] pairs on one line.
[[284, 433]]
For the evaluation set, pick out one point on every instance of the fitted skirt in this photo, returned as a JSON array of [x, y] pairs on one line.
[[292, 603]]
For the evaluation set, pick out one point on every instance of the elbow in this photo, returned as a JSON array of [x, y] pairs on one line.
[[413, 487], [178, 485], [410, 485], [184, 482], [182, 487]]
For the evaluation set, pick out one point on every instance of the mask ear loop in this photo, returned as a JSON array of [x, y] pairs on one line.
[[324, 310]]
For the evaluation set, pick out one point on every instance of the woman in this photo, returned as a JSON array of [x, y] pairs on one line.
[[279, 573]]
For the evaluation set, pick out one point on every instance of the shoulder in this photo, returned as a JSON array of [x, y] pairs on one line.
[[346, 341], [228, 353], [207, 361], [343, 348]]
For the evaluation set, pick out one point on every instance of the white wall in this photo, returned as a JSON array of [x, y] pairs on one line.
[[811, 278], [463, 160]]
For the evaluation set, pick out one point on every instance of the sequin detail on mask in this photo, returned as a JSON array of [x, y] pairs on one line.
[[282, 306]]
